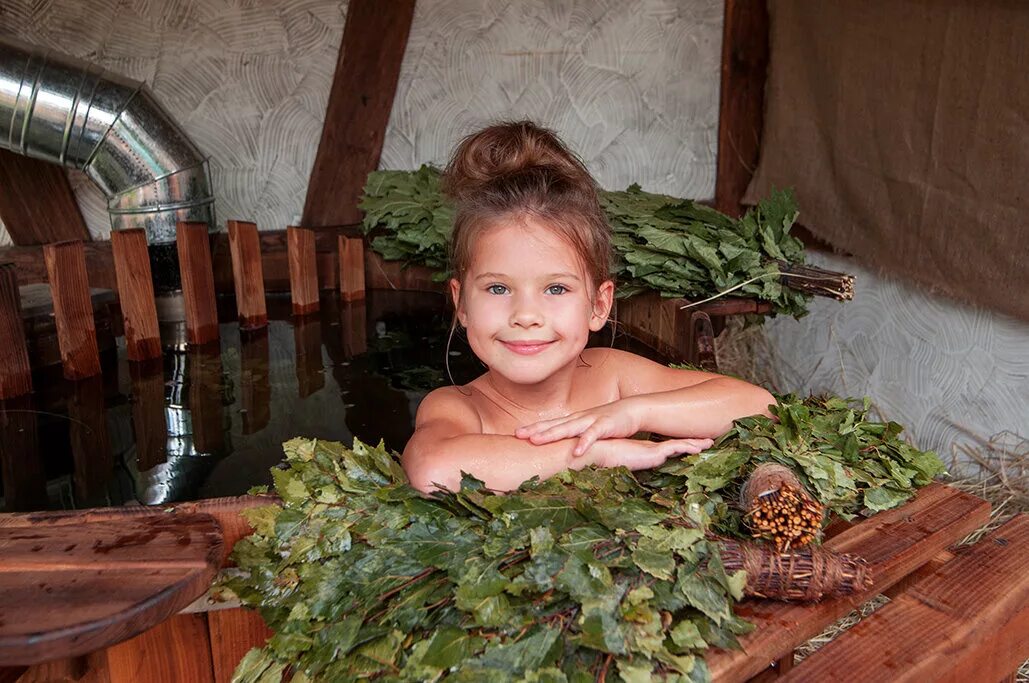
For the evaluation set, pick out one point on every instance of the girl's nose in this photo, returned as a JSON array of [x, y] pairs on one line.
[[526, 313]]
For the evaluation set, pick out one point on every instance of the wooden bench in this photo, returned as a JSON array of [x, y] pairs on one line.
[[950, 607]]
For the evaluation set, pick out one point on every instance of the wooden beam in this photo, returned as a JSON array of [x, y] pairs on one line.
[[197, 283], [15, 371], [351, 268], [742, 103], [360, 101], [303, 270], [31, 268], [37, 205], [136, 294], [73, 309], [247, 274]]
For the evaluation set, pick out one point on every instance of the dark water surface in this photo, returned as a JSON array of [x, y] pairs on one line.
[[210, 422]]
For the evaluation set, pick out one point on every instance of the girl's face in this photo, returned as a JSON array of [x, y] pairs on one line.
[[527, 303]]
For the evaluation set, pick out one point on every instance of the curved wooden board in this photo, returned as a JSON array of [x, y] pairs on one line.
[[74, 582]]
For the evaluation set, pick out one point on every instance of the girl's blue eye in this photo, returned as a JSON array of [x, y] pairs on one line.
[[499, 290], [556, 289]]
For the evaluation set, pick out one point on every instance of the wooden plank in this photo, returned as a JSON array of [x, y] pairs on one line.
[[370, 54], [15, 371], [307, 343], [351, 268], [382, 274], [254, 381], [233, 633], [894, 542], [247, 274], [178, 649], [303, 270], [274, 259], [226, 512], [197, 283], [742, 102], [37, 204], [136, 294], [149, 419], [205, 400], [21, 464], [968, 620], [90, 445], [31, 267], [72, 584], [73, 309]]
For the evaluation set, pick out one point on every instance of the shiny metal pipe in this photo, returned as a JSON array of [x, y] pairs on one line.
[[67, 111]]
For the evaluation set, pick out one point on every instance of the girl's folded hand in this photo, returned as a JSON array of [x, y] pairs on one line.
[[637, 454], [615, 420]]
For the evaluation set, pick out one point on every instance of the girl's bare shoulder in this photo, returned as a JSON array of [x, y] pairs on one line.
[[449, 404]]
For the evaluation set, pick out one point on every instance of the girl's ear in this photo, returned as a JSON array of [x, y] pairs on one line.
[[602, 303], [455, 296]]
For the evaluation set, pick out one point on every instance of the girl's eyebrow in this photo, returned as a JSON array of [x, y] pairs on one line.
[[551, 276]]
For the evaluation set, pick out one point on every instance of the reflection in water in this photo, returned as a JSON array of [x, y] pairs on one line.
[[210, 422]]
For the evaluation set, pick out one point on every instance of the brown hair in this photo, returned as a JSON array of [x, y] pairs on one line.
[[516, 169]]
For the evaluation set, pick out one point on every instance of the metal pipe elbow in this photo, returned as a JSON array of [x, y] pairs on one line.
[[67, 111]]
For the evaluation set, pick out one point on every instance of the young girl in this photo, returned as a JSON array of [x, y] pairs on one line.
[[531, 278]]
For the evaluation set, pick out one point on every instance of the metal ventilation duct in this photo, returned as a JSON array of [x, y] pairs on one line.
[[73, 113]]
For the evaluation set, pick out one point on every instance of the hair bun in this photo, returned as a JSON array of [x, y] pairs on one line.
[[509, 149]]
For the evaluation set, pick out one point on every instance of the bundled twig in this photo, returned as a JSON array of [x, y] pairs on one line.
[[779, 509], [804, 576], [817, 281]]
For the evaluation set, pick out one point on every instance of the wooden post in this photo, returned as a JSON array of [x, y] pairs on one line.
[[303, 270], [307, 341], [90, 446], [136, 294], [149, 422], [73, 309], [197, 282], [351, 268], [247, 274], [254, 382], [15, 371], [205, 400], [741, 109], [360, 101]]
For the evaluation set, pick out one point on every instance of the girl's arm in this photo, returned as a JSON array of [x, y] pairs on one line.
[[448, 440], [656, 398]]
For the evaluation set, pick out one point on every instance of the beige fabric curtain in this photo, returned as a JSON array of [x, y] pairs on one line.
[[903, 126]]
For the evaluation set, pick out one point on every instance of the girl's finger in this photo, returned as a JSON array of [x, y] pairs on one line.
[[565, 430], [586, 441]]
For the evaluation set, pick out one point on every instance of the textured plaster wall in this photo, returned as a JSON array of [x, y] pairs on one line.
[[633, 86], [956, 376]]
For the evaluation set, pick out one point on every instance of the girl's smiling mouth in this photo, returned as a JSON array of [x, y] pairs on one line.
[[526, 348]]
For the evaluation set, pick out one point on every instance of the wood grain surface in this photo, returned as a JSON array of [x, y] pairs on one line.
[[967, 620], [71, 583], [197, 283], [360, 101], [73, 309], [247, 274], [895, 543], [15, 371], [136, 294]]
